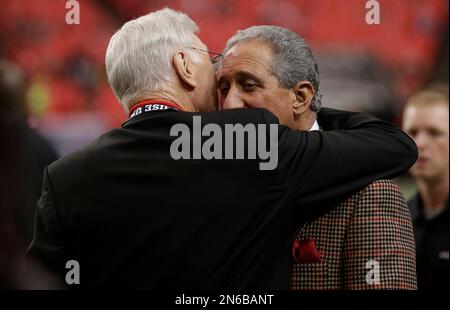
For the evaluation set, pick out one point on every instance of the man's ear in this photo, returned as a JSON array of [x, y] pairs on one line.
[[183, 68], [304, 94]]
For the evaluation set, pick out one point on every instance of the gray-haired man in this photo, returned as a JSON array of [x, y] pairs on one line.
[[272, 67]]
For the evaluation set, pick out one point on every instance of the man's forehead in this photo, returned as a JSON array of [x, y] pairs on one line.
[[432, 115], [425, 110], [247, 56], [249, 49]]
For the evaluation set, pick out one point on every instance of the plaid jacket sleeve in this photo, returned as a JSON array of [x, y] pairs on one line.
[[379, 250], [366, 242]]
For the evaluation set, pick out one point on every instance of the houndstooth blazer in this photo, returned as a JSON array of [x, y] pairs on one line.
[[374, 225]]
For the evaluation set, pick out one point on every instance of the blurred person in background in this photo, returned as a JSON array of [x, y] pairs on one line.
[[21, 166], [272, 67], [426, 120], [133, 215], [11, 200], [35, 151]]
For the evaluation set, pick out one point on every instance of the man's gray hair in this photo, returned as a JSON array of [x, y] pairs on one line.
[[293, 60], [139, 55]]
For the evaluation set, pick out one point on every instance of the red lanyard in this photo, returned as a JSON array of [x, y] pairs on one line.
[[153, 106]]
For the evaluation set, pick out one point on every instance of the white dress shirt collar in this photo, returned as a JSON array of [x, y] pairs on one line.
[[315, 126]]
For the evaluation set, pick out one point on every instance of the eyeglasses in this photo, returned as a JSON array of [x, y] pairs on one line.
[[215, 57]]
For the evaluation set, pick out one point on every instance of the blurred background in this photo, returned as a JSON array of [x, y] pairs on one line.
[[56, 82], [363, 67]]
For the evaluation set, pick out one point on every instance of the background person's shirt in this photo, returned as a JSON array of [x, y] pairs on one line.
[[432, 238]]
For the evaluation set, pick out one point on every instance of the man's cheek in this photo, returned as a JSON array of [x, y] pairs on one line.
[[253, 102]]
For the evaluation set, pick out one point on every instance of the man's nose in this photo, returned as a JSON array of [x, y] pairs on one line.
[[421, 140], [232, 101]]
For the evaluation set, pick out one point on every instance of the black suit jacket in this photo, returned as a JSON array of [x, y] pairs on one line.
[[134, 217]]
